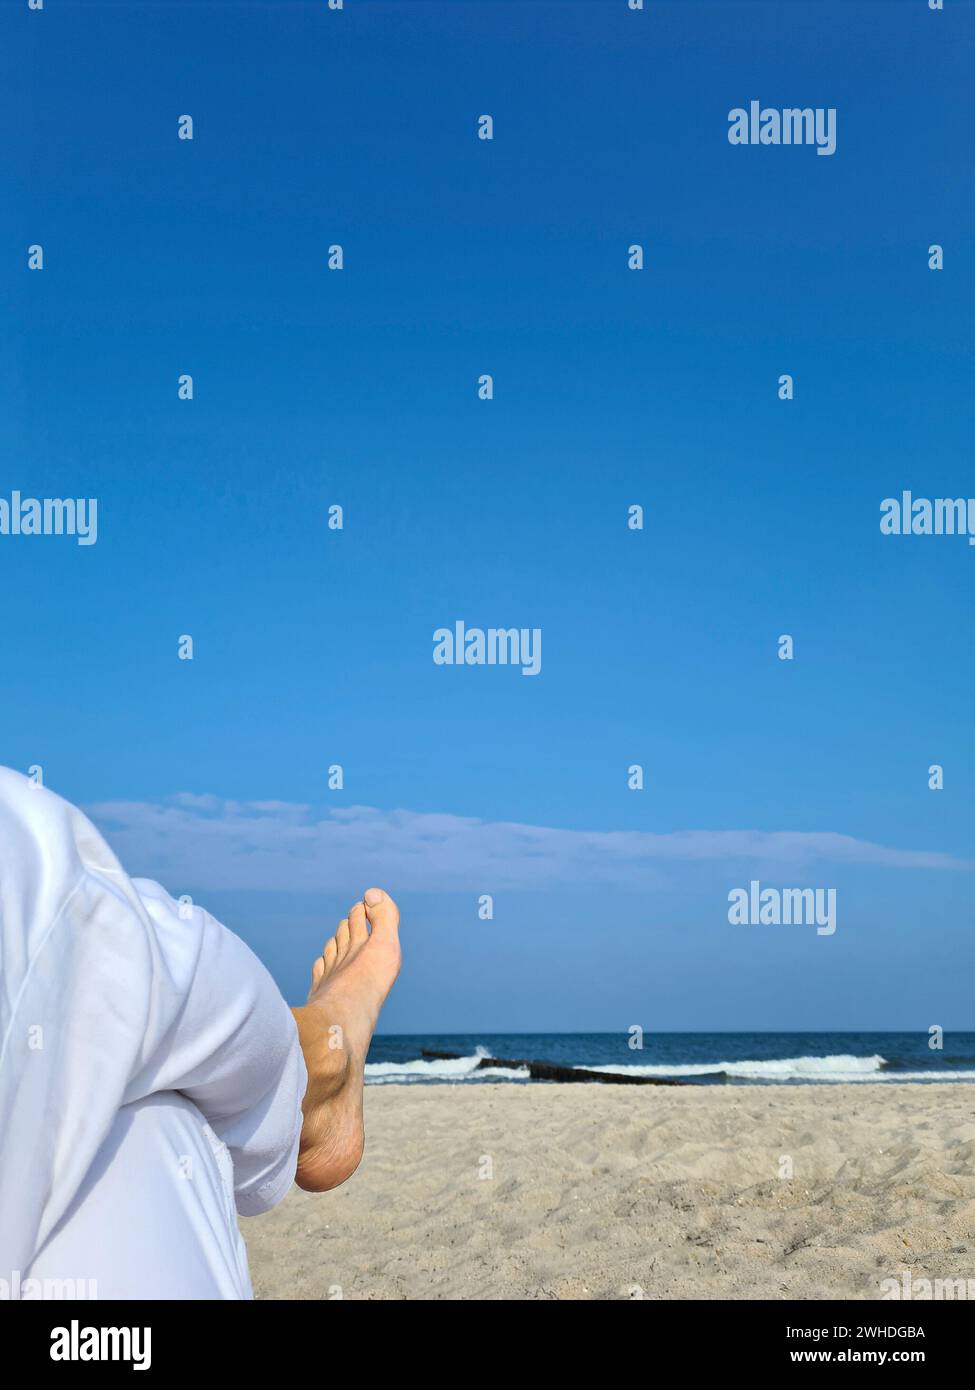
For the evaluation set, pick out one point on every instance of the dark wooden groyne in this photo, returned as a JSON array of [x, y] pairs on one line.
[[550, 1071]]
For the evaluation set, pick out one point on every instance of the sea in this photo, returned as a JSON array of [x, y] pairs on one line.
[[704, 1059]]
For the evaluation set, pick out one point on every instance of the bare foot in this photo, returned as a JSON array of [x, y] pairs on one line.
[[349, 983]]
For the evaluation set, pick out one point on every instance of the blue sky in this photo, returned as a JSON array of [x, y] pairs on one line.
[[612, 387]]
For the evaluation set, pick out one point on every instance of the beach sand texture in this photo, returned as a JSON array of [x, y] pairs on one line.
[[605, 1192]]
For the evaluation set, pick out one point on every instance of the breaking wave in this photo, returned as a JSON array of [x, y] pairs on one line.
[[839, 1068], [442, 1070]]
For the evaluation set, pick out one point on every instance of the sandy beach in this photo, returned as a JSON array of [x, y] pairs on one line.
[[589, 1191]]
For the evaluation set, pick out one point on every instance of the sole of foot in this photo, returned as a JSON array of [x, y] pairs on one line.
[[349, 984]]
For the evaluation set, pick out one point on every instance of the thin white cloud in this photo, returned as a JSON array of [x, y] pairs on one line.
[[211, 843]]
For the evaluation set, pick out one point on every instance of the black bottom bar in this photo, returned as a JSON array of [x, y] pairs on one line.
[[300, 1339]]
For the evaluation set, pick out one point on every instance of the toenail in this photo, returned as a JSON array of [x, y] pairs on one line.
[[373, 896]]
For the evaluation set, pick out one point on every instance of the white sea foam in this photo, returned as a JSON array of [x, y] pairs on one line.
[[441, 1069], [843, 1068], [839, 1068], [923, 1076]]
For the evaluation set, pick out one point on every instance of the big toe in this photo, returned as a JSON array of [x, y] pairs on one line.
[[383, 914]]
